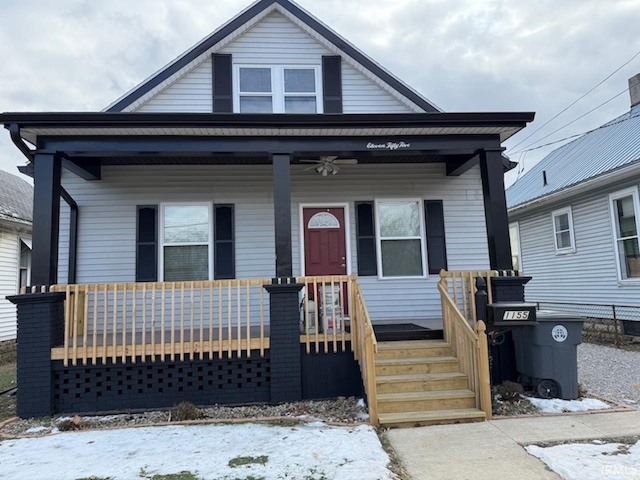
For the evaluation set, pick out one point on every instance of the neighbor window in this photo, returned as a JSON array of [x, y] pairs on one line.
[[401, 251], [186, 242], [24, 276], [563, 230], [514, 239], [624, 206], [278, 90]]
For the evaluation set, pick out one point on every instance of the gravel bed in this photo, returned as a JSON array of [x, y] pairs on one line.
[[610, 372], [341, 409]]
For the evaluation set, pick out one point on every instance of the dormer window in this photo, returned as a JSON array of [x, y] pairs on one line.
[[277, 90]]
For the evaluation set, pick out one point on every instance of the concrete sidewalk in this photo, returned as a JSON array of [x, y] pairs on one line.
[[494, 449]]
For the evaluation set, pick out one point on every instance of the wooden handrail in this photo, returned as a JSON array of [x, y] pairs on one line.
[[366, 347], [469, 344]]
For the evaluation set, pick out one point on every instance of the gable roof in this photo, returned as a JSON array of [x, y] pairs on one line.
[[16, 199], [256, 11], [610, 147]]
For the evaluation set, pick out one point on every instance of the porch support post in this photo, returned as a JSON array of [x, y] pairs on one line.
[[284, 351], [40, 327], [46, 213], [495, 209], [282, 213]]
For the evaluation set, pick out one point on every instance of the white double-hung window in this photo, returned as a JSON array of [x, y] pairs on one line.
[[563, 230], [271, 89], [186, 235], [400, 229], [624, 216]]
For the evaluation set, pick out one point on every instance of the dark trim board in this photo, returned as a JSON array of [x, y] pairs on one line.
[[393, 332], [135, 146], [249, 120]]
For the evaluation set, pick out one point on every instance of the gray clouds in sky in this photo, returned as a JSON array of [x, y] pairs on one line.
[[463, 55]]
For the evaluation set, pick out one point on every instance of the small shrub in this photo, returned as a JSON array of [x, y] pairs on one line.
[[184, 411], [69, 425], [509, 391], [582, 391]]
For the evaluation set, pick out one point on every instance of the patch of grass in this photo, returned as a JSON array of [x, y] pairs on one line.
[[241, 461], [395, 465], [95, 478], [7, 376], [175, 476], [7, 408]]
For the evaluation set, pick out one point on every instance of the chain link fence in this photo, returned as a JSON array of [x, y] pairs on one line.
[[604, 322]]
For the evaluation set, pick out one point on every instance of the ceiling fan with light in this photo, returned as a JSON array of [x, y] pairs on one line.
[[328, 164]]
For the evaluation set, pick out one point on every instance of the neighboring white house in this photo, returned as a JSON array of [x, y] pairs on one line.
[[574, 220], [16, 205]]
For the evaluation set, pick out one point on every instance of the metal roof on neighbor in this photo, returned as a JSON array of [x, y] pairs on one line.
[[16, 199], [614, 145]]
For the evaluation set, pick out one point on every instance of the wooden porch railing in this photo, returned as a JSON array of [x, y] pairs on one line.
[[466, 333], [325, 309], [461, 288], [171, 320], [365, 348]]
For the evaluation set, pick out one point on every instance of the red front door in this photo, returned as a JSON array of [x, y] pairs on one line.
[[324, 241]]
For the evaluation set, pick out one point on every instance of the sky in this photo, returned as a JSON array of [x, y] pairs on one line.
[[463, 55]]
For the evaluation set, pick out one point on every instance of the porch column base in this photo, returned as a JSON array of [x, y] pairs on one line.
[[286, 362], [508, 289], [40, 327]]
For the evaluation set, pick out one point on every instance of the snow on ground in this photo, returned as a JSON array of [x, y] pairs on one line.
[[313, 450], [556, 405], [594, 461]]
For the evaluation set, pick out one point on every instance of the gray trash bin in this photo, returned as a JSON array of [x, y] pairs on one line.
[[546, 354]]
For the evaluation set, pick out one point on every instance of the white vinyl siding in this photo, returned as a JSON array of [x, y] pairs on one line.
[[191, 93], [9, 266], [589, 276], [274, 41], [107, 227]]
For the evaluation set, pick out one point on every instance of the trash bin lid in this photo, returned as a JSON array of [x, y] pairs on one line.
[[555, 316]]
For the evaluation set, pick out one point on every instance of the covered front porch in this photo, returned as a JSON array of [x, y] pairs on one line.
[[259, 306]]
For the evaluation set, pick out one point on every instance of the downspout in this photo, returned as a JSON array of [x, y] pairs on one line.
[[14, 131], [73, 235]]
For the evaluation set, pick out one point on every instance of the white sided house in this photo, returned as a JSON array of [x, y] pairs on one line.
[[16, 205], [575, 222], [267, 200]]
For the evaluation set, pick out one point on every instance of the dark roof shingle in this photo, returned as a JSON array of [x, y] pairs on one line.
[[16, 198]]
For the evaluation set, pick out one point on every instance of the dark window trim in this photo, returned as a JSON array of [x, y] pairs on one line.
[[361, 271], [139, 243], [216, 242]]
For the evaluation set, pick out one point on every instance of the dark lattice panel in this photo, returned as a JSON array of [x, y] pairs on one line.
[[119, 387]]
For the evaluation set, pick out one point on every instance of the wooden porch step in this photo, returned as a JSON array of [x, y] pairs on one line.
[[413, 349], [426, 401], [435, 417], [421, 382], [407, 366]]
